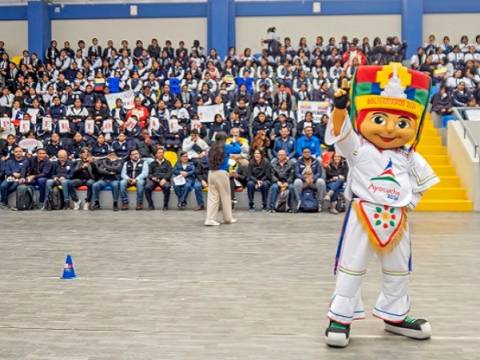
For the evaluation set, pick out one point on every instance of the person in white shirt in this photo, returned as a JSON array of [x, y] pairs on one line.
[[194, 146]]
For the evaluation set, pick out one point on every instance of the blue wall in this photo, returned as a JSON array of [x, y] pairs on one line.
[[221, 14]]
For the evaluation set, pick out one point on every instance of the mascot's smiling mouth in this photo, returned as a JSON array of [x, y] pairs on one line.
[[387, 139]]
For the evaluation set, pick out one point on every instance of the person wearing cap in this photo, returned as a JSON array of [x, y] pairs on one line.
[[386, 178]]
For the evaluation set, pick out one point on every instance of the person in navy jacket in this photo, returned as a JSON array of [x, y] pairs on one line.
[[54, 145], [101, 147], [62, 172], [187, 170], [38, 172], [121, 146], [15, 172], [284, 142]]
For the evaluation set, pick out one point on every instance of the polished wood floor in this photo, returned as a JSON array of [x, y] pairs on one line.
[[155, 285]]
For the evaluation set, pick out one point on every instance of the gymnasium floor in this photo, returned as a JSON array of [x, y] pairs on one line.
[[152, 286]]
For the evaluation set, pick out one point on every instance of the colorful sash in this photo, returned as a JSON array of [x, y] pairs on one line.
[[384, 225]]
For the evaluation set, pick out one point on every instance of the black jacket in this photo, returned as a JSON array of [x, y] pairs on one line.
[[260, 171], [333, 171], [109, 170], [285, 173], [39, 168], [86, 173], [201, 169], [160, 170]]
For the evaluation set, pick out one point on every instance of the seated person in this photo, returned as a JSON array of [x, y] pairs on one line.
[[259, 179], [145, 146], [286, 143], [283, 173], [159, 174], [38, 172], [134, 173], [238, 179], [108, 169], [121, 146], [100, 148], [241, 158], [309, 141], [62, 172], [15, 172], [336, 176], [201, 172], [84, 175], [309, 173], [186, 170], [194, 146]]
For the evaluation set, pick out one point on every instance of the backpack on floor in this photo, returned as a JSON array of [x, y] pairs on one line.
[[341, 203], [282, 203], [308, 201], [55, 199], [25, 197]]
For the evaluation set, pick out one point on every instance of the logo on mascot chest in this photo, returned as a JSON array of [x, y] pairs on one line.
[[387, 176]]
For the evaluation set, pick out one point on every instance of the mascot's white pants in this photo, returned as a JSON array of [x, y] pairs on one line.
[[353, 255]]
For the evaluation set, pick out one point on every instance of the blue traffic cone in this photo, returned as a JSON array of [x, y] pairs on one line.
[[68, 270]]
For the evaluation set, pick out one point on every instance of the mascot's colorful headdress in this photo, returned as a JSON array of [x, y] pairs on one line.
[[390, 87]]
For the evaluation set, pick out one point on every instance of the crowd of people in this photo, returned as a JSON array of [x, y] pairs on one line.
[[454, 68], [58, 131]]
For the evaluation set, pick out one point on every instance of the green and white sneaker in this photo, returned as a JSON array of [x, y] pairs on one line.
[[337, 335], [419, 329]]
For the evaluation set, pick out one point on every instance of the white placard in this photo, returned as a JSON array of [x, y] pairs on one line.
[[195, 124], [33, 114], [317, 108], [4, 122], [154, 124], [47, 123], [28, 144], [89, 126], [24, 126], [64, 126], [130, 124], [179, 180], [107, 126], [207, 113], [173, 125], [127, 97]]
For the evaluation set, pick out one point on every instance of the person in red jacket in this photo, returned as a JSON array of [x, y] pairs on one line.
[[354, 52], [140, 111]]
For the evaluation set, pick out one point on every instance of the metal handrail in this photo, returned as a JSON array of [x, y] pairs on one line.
[[466, 131]]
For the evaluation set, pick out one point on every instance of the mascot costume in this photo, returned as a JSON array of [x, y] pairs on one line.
[[387, 177]]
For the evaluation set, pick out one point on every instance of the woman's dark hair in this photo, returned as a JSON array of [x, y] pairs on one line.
[[217, 151]]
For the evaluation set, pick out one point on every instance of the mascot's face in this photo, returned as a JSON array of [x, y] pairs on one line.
[[387, 129]]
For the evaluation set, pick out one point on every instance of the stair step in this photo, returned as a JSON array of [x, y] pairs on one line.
[[431, 141], [444, 170], [445, 205], [446, 193], [426, 150], [449, 181], [438, 160]]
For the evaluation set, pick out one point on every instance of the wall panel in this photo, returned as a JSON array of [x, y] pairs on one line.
[[15, 36], [174, 29], [453, 25], [251, 29]]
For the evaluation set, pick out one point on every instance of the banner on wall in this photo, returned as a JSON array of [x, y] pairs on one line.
[[207, 114], [127, 98], [317, 108]]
